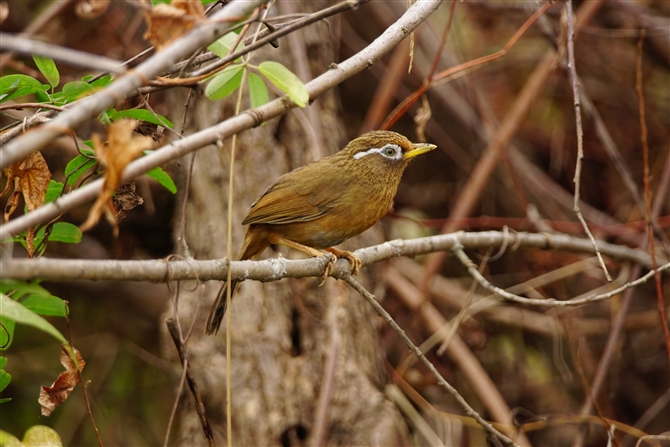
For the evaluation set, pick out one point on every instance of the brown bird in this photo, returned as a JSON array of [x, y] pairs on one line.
[[326, 202]]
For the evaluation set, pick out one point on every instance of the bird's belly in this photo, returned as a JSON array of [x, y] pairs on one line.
[[326, 231]]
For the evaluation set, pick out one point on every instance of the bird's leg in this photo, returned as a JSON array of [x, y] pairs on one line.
[[276, 239], [349, 256]]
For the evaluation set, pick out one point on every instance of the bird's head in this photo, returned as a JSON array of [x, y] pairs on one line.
[[382, 150]]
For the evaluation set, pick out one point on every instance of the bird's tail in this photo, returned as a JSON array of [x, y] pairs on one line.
[[218, 309], [253, 245]]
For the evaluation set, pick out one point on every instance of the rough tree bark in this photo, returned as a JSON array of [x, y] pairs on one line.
[[282, 332]]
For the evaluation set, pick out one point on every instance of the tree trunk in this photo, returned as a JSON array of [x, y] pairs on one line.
[[283, 333]]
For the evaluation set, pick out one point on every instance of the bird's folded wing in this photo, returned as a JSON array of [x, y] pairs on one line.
[[302, 195]]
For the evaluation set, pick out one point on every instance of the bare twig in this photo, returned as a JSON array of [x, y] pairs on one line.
[[474, 272], [30, 105], [83, 385], [190, 378], [580, 133], [346, 277], [10, 42], [647, 192]]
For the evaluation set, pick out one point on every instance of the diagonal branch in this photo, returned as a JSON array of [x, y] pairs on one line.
[[346, 277]]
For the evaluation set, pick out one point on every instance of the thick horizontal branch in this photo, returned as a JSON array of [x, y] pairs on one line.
[[416, 14], [277, 268]]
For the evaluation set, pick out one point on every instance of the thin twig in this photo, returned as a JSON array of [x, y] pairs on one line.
[[460, 70], [190, 378], [551, 302], [647, 192], [580, 133], [31, 105], [81, 381], [346, 277], [19, 44]]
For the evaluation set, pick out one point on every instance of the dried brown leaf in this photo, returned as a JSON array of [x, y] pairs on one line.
[[30, 177], [150, 130], [125, 199], [166, 23], [58, 392], [421, 119], [122, 148]]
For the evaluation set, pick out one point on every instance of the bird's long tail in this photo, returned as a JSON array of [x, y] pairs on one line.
[[252, 247]]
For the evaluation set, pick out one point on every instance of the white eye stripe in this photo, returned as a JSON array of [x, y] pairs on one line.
[[390, 151]]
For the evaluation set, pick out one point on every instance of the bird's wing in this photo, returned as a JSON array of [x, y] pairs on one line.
[[302, 195]]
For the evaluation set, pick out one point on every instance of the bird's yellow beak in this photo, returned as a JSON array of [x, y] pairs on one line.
[[418, 149]]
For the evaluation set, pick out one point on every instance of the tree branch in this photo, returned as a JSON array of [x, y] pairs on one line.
[[417, 352], [277, 268], [18, 44]]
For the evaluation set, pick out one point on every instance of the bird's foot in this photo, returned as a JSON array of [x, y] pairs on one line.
[[349, 256], [328, 270]]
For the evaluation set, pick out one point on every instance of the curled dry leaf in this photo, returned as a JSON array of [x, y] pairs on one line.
[[122, 148], [91, 9], [166, 23], [421, 119], [150, 130], [54, 395], [125, 199], [30, 177]]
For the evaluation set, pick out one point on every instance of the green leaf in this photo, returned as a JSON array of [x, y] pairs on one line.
[[46, 305], [77, 167], [15, 311], [6, 333], [40, 435], [54, 191], [104, 118], [17, 85], [60, 232], [143, 115], [43, 97], [5, 378], [65, 232], [47, 67], [71, 92], [224, 83], [102, 82], [20, 289], [258, 91], [285, 81], [3, 362], [9, 440], [224, 45], [163, 178]]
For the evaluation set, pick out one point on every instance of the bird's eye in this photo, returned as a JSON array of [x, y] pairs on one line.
[[389, 151]]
